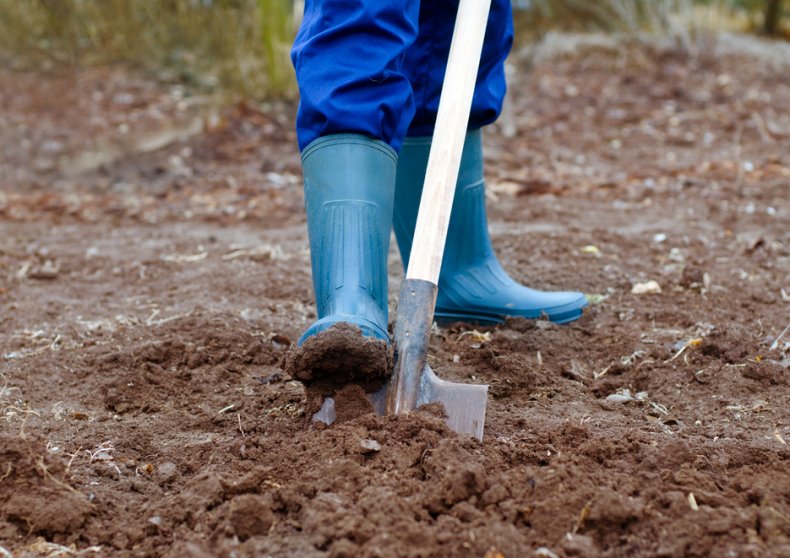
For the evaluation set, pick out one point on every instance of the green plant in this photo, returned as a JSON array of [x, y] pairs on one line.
[[276, 34]]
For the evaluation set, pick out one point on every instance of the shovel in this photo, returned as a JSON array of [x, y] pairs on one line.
[[413, 383]]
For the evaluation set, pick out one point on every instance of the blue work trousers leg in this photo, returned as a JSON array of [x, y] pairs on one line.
[[375, 67]]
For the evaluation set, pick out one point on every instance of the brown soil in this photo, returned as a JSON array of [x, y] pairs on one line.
[[148, 297], [339, 353]]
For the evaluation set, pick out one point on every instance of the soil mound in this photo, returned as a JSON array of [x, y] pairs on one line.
[[185, 358], [34, 495], [372, 482]]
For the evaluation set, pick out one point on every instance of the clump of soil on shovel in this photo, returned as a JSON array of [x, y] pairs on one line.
[[341, 363]]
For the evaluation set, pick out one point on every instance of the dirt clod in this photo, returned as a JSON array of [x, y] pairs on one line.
[[34, 493], [250, 515], [339, 355]]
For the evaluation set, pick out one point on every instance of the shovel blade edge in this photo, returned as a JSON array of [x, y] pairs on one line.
[[465, 404]]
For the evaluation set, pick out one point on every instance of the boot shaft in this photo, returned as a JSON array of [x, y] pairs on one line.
[[468, 242], [473, 286], [349, 183]]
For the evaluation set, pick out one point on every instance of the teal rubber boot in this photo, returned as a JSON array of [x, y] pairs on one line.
[[473, 287], [349, 184]]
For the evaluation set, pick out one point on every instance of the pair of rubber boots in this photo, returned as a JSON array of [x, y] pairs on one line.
[[356, 189]]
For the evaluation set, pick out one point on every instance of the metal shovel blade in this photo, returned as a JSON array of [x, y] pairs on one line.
[[413, 383], [464, 404]]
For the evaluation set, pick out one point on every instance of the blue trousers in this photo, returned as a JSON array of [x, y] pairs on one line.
[[375, 67]]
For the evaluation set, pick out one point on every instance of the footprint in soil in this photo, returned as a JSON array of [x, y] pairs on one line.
[[341, 363]]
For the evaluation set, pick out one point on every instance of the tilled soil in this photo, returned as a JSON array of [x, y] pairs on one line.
[[154, 271]]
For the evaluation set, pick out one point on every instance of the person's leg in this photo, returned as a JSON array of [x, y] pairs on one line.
[[426, 60], [348, 57], [349, 184], [355, 107], [473, 286]]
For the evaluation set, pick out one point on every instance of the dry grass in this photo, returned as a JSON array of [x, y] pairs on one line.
[[239, 46], [685, 21]]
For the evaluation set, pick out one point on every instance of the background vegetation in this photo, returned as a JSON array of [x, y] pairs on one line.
[[654, 15], [241, 46], [232, 45]]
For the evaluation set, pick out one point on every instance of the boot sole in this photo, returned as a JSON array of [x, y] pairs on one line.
[[447, 317]]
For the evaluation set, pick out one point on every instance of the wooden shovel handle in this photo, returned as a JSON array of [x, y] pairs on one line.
[[444, 160]]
